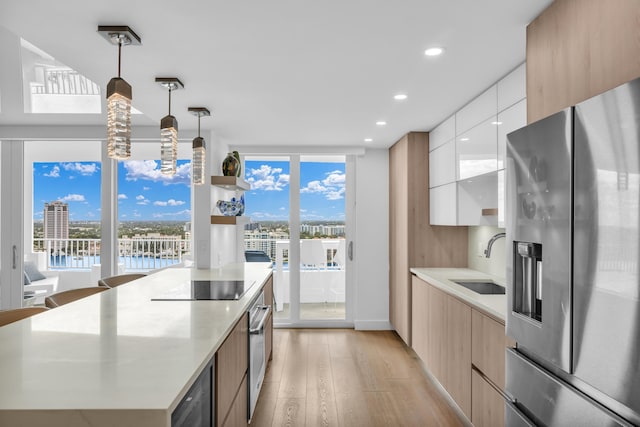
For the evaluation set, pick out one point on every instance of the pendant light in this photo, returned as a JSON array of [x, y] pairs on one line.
[[199, 149], [169, 130], [119, 96]]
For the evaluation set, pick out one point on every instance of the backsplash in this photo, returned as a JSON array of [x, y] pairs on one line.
[[478, 239]]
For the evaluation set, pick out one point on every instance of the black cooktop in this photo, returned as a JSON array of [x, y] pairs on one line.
[[207, 290]]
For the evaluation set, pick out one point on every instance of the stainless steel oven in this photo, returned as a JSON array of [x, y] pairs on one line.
[[258, 315]]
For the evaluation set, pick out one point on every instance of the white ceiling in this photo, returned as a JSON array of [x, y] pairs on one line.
[[286, 72]]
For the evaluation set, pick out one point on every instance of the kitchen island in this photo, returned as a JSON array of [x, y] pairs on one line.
[[117, 357]]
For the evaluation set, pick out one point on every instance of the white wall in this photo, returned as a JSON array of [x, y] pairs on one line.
[[371, 244], [478, 239]]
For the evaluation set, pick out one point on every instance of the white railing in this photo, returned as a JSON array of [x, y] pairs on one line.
[[133, 253], [64, 82]]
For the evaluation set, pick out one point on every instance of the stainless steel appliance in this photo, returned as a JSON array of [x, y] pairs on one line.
[[573, 274], [258, 315]]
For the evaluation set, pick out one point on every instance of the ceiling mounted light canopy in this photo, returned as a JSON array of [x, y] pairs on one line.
[[119, 95], [169, 130], [199, 149]]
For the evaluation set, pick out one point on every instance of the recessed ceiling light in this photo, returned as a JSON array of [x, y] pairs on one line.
[[381, 123], [496, 123], [400, 96], [368, 140], [434, 51], [464, 139]]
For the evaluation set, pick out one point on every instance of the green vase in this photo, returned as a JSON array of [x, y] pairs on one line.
[[237, 156], [230, 165]]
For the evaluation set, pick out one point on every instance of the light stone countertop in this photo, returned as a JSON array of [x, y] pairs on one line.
[[117, 352], [494, 305]]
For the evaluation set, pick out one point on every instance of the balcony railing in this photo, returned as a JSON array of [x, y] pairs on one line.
[[134, 254]]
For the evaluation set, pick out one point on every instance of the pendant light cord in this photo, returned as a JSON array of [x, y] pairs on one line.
[[170, 99], [198, 125], [119, 55]]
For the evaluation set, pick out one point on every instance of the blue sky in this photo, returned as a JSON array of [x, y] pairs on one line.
[[144, 194], [321, 195]]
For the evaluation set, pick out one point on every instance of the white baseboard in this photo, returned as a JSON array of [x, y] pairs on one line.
[[372, 325]]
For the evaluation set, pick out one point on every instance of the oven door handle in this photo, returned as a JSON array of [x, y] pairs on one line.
[[258, 329]]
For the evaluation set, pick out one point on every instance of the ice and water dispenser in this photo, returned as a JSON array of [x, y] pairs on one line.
[[528, 280]]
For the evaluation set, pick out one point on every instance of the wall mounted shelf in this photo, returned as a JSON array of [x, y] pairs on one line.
[[230, 183], [229, 220]]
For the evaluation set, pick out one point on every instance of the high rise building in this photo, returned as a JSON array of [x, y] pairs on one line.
[[56, 224]]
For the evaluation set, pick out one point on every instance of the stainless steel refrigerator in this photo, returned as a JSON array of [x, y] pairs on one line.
[[573, 267]]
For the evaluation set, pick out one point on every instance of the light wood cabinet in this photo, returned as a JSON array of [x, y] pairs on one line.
[[412, 241], [231, 369], [442, 339], [577, 49], [487, 408], [488, 345], [453, 339], [457, 353], [237, 416]]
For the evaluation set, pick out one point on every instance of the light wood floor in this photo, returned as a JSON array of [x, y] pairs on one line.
[[342, 377]]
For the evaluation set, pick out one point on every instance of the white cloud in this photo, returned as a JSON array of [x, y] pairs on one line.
[[146, 188], [83, 169], [335, 178], [55, 173], [72, 198], [170, 202], [313, 187], [122, 197], [143, 202], [149, 170], [267, 178], [332, 186], [140, 197]]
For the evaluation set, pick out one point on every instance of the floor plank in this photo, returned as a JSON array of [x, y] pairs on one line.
[[342, 377], [321, 402]]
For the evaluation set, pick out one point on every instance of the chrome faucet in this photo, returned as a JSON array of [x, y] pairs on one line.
[[487, 252]]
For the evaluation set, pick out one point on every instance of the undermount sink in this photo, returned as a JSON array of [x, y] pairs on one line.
[[484, 288]]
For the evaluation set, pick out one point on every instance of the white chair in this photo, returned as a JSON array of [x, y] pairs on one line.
[[48, 284], [312, 254]]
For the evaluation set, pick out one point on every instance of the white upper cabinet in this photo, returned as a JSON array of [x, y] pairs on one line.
[[442, 164], [511, 119], [477, 150], [512, 88], [445, 132], [477, 111], [478, 200], [471, 192], [443, 205]]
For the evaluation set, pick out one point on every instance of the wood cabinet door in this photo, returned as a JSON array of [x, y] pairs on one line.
[[488, 344], [458, 353], [488, 405], [231, 368], [237, 416], [419, 318]]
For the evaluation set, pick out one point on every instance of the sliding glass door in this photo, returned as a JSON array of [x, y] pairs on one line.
[[297, 207]]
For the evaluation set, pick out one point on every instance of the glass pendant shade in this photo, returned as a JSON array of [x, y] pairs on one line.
[[168, 145], [118, 119], [198, 161]]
